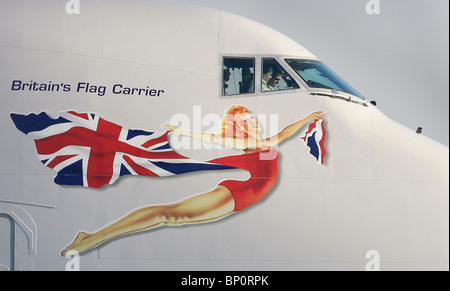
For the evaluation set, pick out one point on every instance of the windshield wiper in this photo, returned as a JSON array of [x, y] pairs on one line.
[[340, 97]]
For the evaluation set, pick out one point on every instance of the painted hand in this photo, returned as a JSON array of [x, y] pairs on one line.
[[317, 115], [172, 128]]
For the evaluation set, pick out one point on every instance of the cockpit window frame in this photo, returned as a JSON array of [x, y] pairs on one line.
[[281, 70], [323, 89], [258, 59], [222, 77]]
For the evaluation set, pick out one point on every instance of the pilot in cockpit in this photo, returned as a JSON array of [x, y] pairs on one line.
[[267, 75], [274, 82], [247, 84]]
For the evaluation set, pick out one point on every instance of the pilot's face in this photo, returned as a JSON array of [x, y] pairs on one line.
[[275, 81], [267, 76]]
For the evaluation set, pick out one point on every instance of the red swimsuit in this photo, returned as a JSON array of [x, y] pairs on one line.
[[263, 168]]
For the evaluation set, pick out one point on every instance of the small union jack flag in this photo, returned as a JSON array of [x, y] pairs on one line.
[[314, 139], [86, 150]]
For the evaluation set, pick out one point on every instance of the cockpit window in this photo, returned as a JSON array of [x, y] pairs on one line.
[[317, 75], [238, 76], [274, 77]]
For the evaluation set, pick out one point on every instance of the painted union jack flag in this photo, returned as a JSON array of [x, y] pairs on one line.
[[314, 139], [86, 150]]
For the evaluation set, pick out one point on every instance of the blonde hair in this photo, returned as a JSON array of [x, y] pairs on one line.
[[229, 126]]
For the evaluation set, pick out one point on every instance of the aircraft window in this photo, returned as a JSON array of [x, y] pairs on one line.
[[317, 75], [274, 77], [238, 76]]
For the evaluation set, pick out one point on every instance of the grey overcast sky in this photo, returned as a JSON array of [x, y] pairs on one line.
[[399, 57]]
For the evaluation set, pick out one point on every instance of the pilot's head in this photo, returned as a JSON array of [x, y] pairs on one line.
[[275, 80], [267, 73]]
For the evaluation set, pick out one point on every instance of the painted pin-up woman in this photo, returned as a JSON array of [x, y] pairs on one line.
[[239, 130]]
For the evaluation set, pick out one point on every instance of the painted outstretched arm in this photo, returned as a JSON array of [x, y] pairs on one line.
[[292, 129], [247, 143], [236, 143]]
